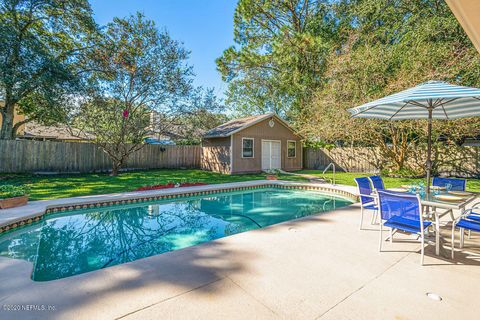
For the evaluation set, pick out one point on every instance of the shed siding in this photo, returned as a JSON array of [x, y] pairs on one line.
[[262, 131], [216, 155]]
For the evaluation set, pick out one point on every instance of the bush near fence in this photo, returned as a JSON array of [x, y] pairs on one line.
[[18, 156]]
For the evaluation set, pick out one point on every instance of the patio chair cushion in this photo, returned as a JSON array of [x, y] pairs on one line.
[[409, 225], [470, 225]]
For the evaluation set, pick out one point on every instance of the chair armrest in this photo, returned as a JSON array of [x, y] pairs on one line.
[[475, 206], [444, 213], [463, 215], [368, 196], [469, 211]]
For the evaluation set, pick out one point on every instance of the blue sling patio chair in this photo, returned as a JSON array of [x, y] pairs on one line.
[[472, 214], [457, 184], [377, 182], [400, 211], [367, 199], [468, 221]]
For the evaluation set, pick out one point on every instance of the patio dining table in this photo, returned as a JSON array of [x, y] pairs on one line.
[[430, 201]]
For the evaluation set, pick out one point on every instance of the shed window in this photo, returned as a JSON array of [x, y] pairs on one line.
[[292, 149], [247, 148]]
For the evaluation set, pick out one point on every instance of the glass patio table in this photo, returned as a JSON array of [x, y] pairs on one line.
[[437, 208]]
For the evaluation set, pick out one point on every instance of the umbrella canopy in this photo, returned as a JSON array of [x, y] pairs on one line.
[[447, 101], [429, 100]]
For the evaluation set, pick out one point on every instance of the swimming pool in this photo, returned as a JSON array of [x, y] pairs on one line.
[[75, 242]]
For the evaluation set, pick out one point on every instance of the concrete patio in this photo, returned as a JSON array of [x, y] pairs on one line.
[[319, 267]]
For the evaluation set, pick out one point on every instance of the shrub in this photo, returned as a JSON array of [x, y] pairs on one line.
[[403, 173], [273, 172], [170, 185], [10, 191]]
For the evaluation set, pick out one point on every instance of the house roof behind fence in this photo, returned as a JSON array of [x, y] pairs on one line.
[[34, 130]]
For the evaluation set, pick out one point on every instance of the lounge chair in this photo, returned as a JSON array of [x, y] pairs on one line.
[[402, 212]]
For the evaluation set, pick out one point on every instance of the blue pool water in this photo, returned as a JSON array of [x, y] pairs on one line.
[[79, 241]]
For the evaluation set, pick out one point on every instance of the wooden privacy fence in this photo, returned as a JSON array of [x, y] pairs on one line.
[[345, 159], [47, 156], [459, 161]]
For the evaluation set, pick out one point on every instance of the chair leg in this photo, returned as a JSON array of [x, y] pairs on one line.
[[373, 217], [422, 252], [381, 237], [361, 217], [391, 235], [469, 234], [453, 240], [451, 215], [462, 237]]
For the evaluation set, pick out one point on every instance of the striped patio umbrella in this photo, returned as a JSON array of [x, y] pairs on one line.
[[429, 100]]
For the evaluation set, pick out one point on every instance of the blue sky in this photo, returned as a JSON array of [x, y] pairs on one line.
[[204, 26]]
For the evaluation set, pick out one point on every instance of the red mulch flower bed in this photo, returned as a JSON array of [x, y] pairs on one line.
[[170, 185]]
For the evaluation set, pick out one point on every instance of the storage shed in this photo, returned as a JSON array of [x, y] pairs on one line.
[[252, 144]]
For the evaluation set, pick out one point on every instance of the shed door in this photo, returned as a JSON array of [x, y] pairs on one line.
[[271, 155]]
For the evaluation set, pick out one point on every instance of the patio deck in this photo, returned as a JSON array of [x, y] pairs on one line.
[[318, 267]]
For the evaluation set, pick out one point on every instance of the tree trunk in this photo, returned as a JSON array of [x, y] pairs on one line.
[[7, 132], [115, 168]]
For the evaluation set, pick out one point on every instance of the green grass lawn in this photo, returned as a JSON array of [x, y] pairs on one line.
[[45, 187], [347, 179]]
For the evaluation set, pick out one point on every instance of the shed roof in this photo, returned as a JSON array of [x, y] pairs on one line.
[[236, 125]]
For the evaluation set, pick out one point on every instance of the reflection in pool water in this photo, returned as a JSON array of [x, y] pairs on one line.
[[84, 240]]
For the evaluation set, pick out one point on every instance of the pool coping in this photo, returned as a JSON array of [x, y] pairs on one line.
[[36, 210]]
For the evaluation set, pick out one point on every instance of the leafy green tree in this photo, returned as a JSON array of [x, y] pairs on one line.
[[42, 42], [139, 70], [186, 123], [387, 46], [279, 57], [116, 130]]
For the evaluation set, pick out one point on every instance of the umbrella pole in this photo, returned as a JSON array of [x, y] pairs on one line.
[[429, 149]]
